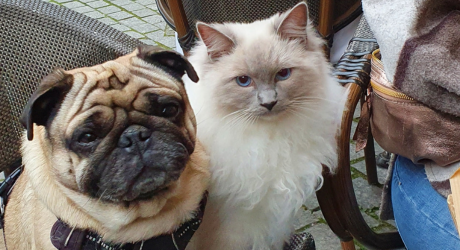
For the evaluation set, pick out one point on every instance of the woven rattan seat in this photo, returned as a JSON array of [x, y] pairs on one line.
[[37, 37]]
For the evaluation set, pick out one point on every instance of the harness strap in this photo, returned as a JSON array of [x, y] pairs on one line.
[[65, 237], [5, 189]]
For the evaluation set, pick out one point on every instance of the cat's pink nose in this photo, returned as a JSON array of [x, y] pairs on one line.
[[270, 105]]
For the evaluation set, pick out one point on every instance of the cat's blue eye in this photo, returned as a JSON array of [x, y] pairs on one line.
[[283, 74], [243, 81]]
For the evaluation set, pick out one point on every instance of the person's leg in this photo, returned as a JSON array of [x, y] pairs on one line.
[[421, 214]]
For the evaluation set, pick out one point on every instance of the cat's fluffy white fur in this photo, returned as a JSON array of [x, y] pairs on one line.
[[263, 168]]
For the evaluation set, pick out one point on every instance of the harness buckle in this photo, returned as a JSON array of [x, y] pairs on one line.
[[2, 207]]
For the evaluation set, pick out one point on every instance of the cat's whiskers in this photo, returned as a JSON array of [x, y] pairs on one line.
[[248, 121], [313, 98], [297, 111], [251, 120], [239, 118], [233, 113], [301, 104]]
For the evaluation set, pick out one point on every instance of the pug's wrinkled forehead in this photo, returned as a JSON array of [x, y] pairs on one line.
[[146, 82]]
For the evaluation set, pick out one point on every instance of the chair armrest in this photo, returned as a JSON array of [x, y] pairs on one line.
[[337, 198]]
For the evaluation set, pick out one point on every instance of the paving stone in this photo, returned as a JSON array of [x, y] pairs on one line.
[[144, 2], [312, 202], [386, 229], [155, 34], [133, 6], [97, 4], [353, 154], [371, 222], [62, 1], [306, 217], [146, 28], [368, 196], [95, 14], [357, 111], [159, 37], [353, 128], [134, 34], [120, 15], [122, 2], [109, 9], [169, 31], [152, 6], [391, 222], [381, 172], [132, 22], [144, 13], [154, 19], [168, 44], [73, 5], [107, 20], [87, 1], [120, 27], [148, 41], [83, 9], [324, 238]]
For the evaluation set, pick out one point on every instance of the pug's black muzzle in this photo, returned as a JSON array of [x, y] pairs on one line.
[[144, 162]]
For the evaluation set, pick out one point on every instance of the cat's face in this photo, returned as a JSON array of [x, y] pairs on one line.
[[264, 69]]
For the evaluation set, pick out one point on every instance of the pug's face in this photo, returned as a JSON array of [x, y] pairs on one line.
[[122, 131]]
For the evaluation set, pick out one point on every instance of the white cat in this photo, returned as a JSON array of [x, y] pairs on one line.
[[267, 109]]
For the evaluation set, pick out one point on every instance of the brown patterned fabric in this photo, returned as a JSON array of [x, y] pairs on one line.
[[37, 37]]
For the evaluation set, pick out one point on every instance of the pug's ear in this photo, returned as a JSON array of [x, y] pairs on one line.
[[44, 100], [171, 61]]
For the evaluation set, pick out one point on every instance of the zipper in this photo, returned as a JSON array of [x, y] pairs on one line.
[[390, 92], [376, 63]]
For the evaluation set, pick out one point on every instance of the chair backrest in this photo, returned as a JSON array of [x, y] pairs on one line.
[[327, 15], [337, 198], [36, 38]]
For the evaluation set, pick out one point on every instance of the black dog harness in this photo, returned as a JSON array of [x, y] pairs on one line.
[[5, 189], [65, 237]]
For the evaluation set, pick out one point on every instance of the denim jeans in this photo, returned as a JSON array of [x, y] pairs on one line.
[[421, 214]]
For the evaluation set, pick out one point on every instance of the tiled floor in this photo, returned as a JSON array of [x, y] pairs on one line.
[[139, 19]]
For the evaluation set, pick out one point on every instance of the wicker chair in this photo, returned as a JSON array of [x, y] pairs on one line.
[[337, 198], [327, 15], [37, 37]]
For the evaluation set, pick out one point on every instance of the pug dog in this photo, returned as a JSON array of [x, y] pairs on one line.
[[110, 150]]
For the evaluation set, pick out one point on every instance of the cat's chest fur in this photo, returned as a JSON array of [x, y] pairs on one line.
[[261, 165], [261, 177]]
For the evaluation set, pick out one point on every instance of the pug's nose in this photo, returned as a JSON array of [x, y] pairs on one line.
[[134, 134]]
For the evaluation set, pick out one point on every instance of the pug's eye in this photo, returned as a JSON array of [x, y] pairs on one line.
[[169, 110], [87, 138]]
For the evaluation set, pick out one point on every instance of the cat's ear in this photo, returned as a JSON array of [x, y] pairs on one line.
[[217, 43], [294, 23]]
